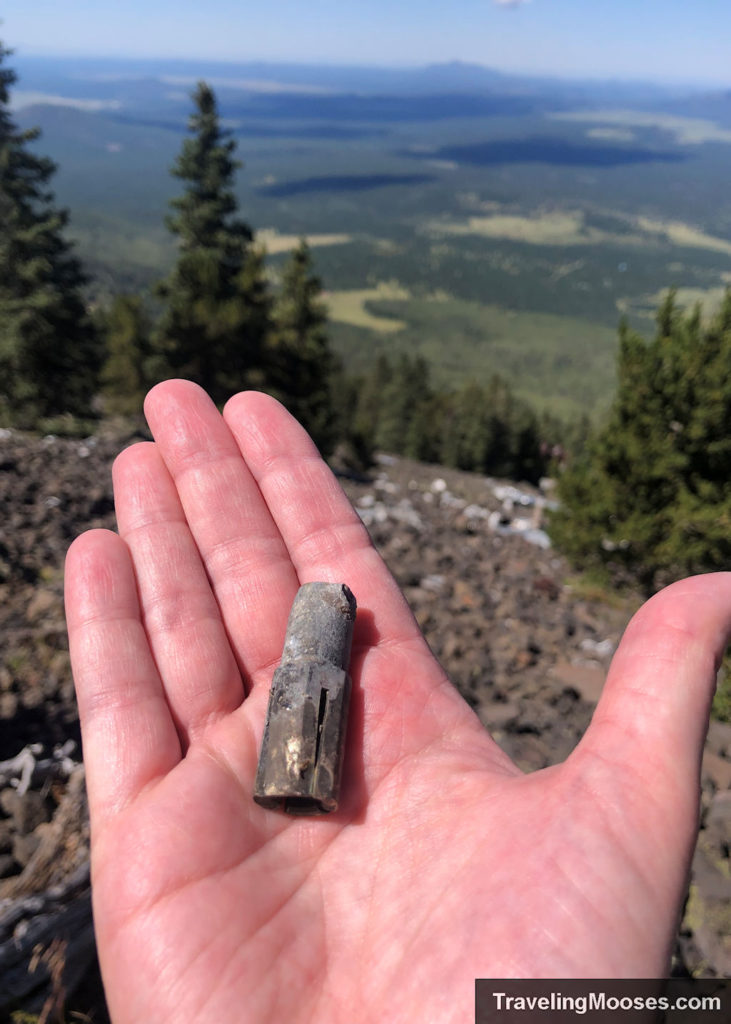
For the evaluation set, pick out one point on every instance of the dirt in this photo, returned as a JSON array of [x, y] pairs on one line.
[[525, 641]]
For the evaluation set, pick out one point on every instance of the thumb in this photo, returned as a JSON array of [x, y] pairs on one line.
[[643, 748]]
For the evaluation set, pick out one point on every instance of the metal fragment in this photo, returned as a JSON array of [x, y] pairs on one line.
[[301, 756]]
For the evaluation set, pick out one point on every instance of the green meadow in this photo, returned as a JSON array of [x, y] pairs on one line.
[[561, 364]]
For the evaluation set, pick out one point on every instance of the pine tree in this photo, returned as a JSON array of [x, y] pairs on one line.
[[488, 430], [353, 434], [216, 315], [467, 429], [50, 353], [302, 362], [529, 462], [402, 398], [127, 372], [650, 498], [357, 403], [505, 415], [366, 411]]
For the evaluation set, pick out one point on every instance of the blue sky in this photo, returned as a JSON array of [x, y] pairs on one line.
[[668, 40]]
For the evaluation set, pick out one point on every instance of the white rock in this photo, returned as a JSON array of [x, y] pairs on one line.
[[538, 537], [432, 582], [380, 512], [508, 492], [493, 520], [405, 512], [599, 648], [451, 501]]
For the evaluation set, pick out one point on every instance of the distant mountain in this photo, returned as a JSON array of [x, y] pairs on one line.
[[82, 75], [715, 106], [135, 81]]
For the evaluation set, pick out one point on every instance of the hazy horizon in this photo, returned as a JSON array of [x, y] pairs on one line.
[[19, 54], [667, 42]]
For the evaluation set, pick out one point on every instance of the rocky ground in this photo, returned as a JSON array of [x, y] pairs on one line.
[[527, 645]]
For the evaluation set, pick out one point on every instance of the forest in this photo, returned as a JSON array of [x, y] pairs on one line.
[[643, 486]]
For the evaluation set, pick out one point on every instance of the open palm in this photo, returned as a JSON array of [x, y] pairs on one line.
[[444, 862]]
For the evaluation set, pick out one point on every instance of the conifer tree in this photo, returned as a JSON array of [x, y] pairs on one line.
[[423, 433], [501, 453], [650, 498], [216, 315], [402, 396], [357, 403], [366, 410], [353, 431], [127, 373], [302, 362], [488, 430], [50, 353], [467, 429], [528, 461]]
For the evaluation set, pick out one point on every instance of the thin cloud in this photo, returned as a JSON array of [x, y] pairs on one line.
[[511, 3]]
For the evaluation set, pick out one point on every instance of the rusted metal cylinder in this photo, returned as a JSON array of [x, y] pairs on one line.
[[301, 758]]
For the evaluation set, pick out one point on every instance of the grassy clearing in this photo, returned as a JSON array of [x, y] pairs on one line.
[[349, 307], [710, 300], [614, 134], [562, 364], [555, 227], [575, 227], [276, 243], [683, 235], [688, 131]]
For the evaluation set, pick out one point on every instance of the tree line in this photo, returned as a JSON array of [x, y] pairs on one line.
[[645, 496]]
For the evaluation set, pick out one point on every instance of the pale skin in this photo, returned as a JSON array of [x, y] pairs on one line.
[[444, 862]]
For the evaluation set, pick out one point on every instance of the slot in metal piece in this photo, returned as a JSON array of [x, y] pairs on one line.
[[301, 756]]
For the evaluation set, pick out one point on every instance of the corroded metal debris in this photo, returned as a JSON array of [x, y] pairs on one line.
[[304, 738]]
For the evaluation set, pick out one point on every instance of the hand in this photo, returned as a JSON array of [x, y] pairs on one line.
[[444, 862]]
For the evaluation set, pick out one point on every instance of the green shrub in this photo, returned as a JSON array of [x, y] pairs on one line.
[[649, 500]]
